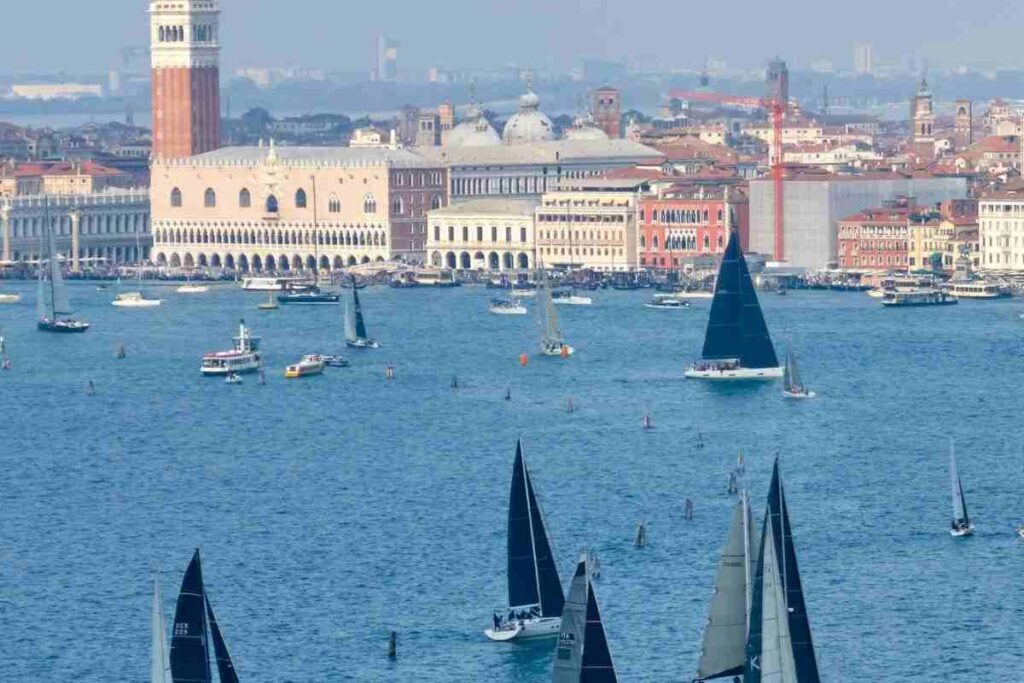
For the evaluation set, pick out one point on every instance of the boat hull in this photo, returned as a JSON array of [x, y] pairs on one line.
[[523, 293], [362, 344], [309, 300], [517, 310], [960, 533], [669, 307], [573, 301], [239, 369], [10, 298], [545, 627], [192, 289], [564, 351], [737, 374], [62, 327], [798, 396]]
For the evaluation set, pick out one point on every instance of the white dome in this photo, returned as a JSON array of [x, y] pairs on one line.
[[529, 124], [583, 128], [475, 131]]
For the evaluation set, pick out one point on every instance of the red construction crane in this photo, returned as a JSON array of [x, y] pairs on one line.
[[777, 110]]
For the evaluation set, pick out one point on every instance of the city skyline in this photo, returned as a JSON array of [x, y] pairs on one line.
[[534, 34]]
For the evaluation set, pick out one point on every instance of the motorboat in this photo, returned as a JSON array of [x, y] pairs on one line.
[[233, 378], [507, 307], [694, 294], [10, 298], [523, 293], [535, 596], [666, 301], [334, 361], [135, 300], [244, 357], [189, 288], [272, 284], [737, 345], [307, 366], [571, 299], [918, 297]]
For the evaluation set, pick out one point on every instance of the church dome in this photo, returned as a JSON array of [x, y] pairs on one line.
[[529, 124], [474, 131], [584, 128]]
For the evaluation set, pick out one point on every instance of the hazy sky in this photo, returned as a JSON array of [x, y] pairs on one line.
[[73, 36]]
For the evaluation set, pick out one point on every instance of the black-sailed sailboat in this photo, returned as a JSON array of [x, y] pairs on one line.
[[779, 644], [355, 325], [582, 654], [52, 300], [535, 597], [723, 651], [190, 637], [737, 345]]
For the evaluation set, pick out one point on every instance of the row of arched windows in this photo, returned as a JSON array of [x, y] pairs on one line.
[[327, 238], [272, 204]]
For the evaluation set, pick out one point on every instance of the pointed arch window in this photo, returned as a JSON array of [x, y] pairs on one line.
[[369, 203], [300, 199], [244, 198], [176, 198], [334, 205], [272, 206], [209, 198]]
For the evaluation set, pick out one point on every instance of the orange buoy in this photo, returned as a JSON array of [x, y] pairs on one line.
[[523, 359]]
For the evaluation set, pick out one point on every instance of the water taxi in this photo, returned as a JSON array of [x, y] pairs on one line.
[[918, 297], [507, 307], [135, 300], [666, 301], [308, 365], [570, 298], [244, 357]]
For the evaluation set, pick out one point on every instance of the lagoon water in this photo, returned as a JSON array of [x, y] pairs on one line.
[[332, 509]]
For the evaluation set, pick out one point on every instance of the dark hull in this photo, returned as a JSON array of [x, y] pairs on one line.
[[62, 328], [293, 299]]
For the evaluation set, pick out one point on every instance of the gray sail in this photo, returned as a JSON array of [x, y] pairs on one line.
[[792, 381], [159, 659], [551, 334], [350, 323], [58, 289], [43, 303], [957, 490], [725, 636], [582, 654], [775, 660]]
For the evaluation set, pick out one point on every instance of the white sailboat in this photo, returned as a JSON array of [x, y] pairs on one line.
[[136, 299], [723, 651], [159, 658], [552, 342], [961, 524]]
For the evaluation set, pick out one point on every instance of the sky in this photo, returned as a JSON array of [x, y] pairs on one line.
[[339, 35]]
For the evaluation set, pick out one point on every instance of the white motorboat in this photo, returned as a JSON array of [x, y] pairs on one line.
[[876, 293], [192, 289], [244, 357], [695, 294], [135, 300], [571, 299], [523, 293], [233, 378], [507, 307], [10, 298], [308, 365], [666, 301], [273, 284]]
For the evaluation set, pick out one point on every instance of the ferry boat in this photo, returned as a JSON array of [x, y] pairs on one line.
[[737, 345], [135, 300], [976, 289], [244, 357], [507, 307], [272, 284], [666, 301], [918, 297], [308, 365]]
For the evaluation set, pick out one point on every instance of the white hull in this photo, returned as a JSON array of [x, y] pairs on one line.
[[795, 396], [960, 533], [192, 289], [735, 374], [573, 301], [516, 310], [875, 293], [693, 295], [667, 307], [238, 369], [1020, 531], [132, 302], [362, 344], [10, 298], [524, 293], [545, 627], [564, 351]]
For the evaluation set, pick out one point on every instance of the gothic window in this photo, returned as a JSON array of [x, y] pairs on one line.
[[369, 203], [176, 197], [244, 199], [300, 199], [334, 205], [435, 202], [396, 206], [272, 204], [209, 198]]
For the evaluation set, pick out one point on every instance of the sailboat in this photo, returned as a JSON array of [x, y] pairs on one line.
[[723, 651], [552, 342], [52, 301], [159, 659], [582, 654], [355, 326], [737, 345], [779, 645], [961, 525], [136, 299], [792, 384], [310, 295], [571, 298], [194, 623], [535, 597]]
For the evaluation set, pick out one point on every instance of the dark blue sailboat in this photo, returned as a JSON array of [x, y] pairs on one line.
[[582, 655], [355, 325], [193, 620], [737, 345], [535, 597], [779, 644]]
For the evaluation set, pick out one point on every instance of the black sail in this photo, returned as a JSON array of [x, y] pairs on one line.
[[360, 324], [597, 658], [190, 660], [552, 599], [736, 327], [582, 654], [225, 669]]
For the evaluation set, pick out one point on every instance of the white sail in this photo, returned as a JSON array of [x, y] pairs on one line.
[[551, 335], [725, 636], [350, 322], [159, 658], [43, 296], [58, 289], [959, 508], [776, 661]]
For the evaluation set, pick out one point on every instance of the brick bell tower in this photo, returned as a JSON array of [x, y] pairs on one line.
[[184, 36]]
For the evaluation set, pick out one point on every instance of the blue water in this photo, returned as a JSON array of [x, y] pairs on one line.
[[333, 509]]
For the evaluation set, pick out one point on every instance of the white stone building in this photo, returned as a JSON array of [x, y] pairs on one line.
[[494, 234], [1001, 231]]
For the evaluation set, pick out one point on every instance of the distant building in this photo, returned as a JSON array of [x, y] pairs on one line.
[[879, 238], [863, 59], [606, 108], [253, 208], [922, 124], [778, 81], [387, 59], [60, 178], [940, 239], [688, 220], [590, 224], [815, 202], [1000, 224], [494, 234], [963, 124], [56, 91], [90, 229]]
